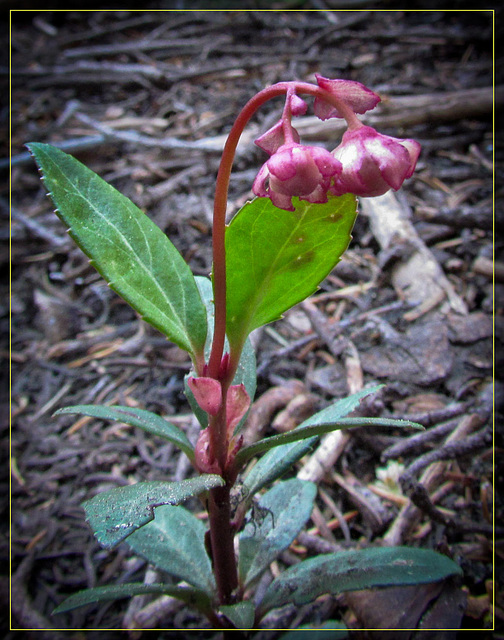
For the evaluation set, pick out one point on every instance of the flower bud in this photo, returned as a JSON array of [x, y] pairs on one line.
[[296, 170], [373, 163], [354, 94], [274, 138]]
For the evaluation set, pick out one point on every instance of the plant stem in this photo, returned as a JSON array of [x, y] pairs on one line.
[[218, 431], [222, 544]]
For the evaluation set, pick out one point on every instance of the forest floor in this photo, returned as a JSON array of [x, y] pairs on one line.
[[145, 99]]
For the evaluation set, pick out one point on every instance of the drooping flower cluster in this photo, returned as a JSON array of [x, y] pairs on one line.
[[366, 163]]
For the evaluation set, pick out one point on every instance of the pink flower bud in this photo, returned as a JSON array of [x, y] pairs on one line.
[[298, 106], [358, 97], [373, 163], [274, 138], [296, 170], [207, 393]]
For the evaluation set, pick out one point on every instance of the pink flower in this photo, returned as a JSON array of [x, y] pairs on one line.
[[296, 170], [373, 163], [354, 94]]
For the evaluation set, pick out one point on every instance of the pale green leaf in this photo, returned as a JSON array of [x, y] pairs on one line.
[[277, 258], [302, 433], [275, 462], [240, 614]]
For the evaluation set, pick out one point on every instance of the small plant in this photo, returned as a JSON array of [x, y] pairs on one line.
[[275, 252]]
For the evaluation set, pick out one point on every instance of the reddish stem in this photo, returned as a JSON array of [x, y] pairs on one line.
[[222, 544]]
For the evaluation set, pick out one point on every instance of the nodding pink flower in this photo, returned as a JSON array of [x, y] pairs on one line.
[[373, 163], [354, 94], [296, 170]]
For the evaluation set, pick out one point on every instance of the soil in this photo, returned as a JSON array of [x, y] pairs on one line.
[[123, 91]]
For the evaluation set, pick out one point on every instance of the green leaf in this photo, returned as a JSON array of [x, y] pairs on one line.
[[175, 542], [284, 510], [193, 597], [280, 459], [114, 515], [277, 258], [132, 253], [301, 433], [354, 570], [146, 420], [246, 371], [241, 614]]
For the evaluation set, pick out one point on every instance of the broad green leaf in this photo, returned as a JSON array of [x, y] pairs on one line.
[[246, 371], [114, 515], [302, 433], [280, 459], [277, 258], [175, 542], [132, 253], [146, 420], [283, 511], [354, 570], [193, 597], [241, 614]]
